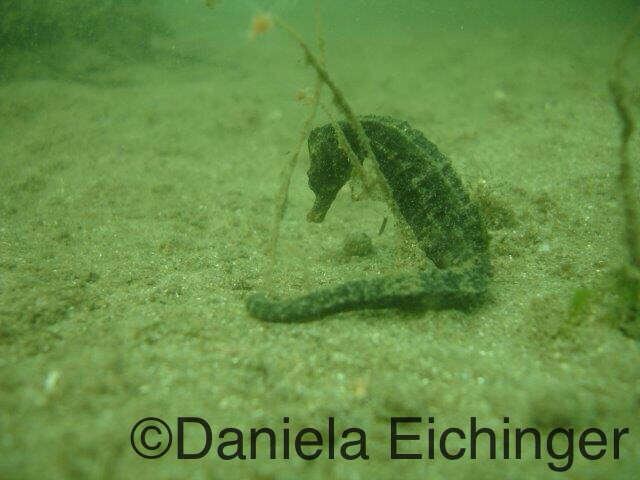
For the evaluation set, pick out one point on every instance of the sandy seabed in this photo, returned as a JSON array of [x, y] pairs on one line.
[[136, 208]]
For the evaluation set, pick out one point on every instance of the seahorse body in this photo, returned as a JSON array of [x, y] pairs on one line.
[[447, 224]]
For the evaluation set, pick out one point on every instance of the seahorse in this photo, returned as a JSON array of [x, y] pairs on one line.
[[447, 225]]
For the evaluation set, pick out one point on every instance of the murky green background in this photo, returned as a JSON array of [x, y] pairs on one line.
[[141, 145]]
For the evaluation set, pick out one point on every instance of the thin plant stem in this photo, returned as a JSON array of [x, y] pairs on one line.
[[625, 172]]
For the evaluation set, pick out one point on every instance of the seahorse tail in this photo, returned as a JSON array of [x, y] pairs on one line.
[[344, 297], [434, 289]]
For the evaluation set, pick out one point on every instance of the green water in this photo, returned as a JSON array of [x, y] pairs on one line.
[[141, 149]]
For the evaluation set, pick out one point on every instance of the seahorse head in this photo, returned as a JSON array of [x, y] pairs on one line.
[[329, 170]]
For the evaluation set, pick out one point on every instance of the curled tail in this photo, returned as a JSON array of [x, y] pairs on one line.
[[433, 289]]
